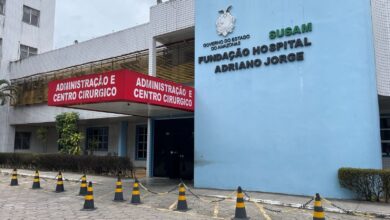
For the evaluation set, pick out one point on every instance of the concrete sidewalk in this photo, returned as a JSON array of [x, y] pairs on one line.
[[359, 208]]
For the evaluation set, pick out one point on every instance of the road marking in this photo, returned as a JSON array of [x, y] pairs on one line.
[[262, 211], [216, 210], [171, 207]]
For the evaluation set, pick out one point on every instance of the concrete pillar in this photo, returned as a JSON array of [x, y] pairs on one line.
[[7, 132], [149, 146], [122, 143], [152, 57], [152, 72]]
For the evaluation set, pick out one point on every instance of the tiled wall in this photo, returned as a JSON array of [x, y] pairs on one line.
[[172, 16], [381, 20]]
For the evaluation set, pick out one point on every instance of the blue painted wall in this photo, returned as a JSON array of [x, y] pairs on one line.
[[288, 128]]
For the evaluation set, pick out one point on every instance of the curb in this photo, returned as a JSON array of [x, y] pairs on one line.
[[309, 207], [46, 177]]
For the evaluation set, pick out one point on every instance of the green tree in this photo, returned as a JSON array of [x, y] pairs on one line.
[[7, 91], [69, 136]]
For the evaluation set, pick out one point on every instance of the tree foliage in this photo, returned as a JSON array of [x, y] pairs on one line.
[[69, 136]]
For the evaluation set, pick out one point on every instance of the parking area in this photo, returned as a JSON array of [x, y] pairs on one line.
[[22, 202]]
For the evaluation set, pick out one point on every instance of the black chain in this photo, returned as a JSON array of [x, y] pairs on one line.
[[342, 209], [173, 189], [272, 210], [156, 193], [303, 206], [218, 200], [198, 196], [246, 194]]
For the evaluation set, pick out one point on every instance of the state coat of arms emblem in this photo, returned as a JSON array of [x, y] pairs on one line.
[[225, 22]]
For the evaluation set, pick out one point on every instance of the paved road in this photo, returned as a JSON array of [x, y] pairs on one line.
[[21, 202]]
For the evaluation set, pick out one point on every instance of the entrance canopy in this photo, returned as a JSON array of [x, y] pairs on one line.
[[123, 92]]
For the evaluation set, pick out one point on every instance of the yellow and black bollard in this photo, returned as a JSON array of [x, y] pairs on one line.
[[240, 205], [118, 191], [88, 203], [60, 183], [135, 195], [318, 213], [182, 202], [36, 184], [14, 178], [83, 186]]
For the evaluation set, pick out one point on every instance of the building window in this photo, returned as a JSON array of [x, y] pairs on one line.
[[26, 51], [22, 140], [385, 135], [2, 7], [97, 139], [141, 142], [30, 15]]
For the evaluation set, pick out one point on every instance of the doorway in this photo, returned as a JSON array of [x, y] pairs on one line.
[[174, 148]]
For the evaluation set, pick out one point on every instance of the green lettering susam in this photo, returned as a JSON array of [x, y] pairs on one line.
[[290, 31]]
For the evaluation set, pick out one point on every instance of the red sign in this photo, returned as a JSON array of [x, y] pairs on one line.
[[121, 85]]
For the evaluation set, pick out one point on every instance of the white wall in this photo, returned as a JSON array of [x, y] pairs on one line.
[[166, 18], [15, 32], [180, 12], [381, 20], [42, 113], [381, 28], [36, 145], [172, 16], [113, 131], [131, 144], [52, 146], [112, 45], [39, 37]]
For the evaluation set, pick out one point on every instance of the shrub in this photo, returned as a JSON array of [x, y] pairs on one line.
[[70, 137], [368, 184], [385, 175], [22, 160], [108, 165]]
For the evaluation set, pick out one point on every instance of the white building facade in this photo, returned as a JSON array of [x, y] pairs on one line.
[[381, 30], [142, 44], [163, 48], [26, 29]]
